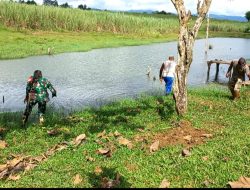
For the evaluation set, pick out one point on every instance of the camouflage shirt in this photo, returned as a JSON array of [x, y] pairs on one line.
[[36, 89], [238, 71]]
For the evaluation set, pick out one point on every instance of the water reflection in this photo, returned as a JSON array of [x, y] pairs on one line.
[[90, 78]]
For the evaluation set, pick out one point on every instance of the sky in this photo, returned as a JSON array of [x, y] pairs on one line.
[[222, 7]]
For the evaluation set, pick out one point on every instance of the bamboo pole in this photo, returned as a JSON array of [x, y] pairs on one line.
[[207, 34]]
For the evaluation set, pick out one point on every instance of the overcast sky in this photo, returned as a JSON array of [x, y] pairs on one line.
[[223, 7]]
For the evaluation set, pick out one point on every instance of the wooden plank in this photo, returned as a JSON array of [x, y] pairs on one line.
[[221, 62], [246, 83]]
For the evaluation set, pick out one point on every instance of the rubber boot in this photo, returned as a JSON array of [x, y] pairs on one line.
[[24, 120], [233, 94], [236, 95], [41, 120]]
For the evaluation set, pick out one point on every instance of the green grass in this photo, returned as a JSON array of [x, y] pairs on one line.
[[209, 108], [19, 44], [16, 44]]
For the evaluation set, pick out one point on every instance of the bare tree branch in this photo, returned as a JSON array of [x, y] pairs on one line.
[[201, 16], [198, 7]]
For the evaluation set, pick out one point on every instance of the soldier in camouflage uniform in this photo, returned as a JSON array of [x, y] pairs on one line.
[[240, 68], [36, 93]]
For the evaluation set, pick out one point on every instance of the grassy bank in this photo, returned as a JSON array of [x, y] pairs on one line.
[[19, 44], [16, 44], [213, 162], [27, 30]]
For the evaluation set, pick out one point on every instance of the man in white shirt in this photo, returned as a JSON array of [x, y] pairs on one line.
[[167, 73]]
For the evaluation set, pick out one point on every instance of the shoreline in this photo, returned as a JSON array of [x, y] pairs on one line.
[[29, 43], [75, 110]]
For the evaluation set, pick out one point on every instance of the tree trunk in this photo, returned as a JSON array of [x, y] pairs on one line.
[[185, 50]]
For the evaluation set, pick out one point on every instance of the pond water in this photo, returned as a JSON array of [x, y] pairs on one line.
[[91, 78]]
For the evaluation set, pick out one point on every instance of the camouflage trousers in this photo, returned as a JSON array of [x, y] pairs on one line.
[[235, 84], [31, 104]]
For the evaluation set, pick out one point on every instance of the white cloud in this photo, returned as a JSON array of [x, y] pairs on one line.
[[225, 7]]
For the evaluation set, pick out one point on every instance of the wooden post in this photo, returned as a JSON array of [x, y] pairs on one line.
[[3, 99], [217, 71], [208, 71], [206, 46]]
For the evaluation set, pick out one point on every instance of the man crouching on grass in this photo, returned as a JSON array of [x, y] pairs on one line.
[[240, 68]]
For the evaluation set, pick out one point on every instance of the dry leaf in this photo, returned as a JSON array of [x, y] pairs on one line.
[[155, 146], [225, 159], [3, 167], [14, 162], [117, 134], [130, 146], [19, 167], [102, 134], [90, 159], [77, 179], [140, 130], [207, 135], [2, 130], [98, 170], [14, 178], [30, 166], [56, 148], [102, 151], [59, 130], [243, 182], [3, 144], [186, 152], [53, 132], [99, 142], [205, 158], [123, 141], [187, 138], [206, 183], [164, 184], [110, 134], [79, 139], [107, 183], [39, 158], [4, 174]]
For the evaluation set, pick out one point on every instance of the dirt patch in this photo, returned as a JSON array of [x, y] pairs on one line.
[[182, 134]]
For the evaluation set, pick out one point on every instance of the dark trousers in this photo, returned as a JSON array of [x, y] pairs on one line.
[[30, 105]]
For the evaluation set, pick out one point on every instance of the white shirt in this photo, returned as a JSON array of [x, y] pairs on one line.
[[169, 69]]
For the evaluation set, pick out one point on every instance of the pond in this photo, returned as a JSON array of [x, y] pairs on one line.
[[91, 78]]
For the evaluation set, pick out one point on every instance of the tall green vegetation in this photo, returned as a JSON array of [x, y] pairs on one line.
[[50, 18]]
